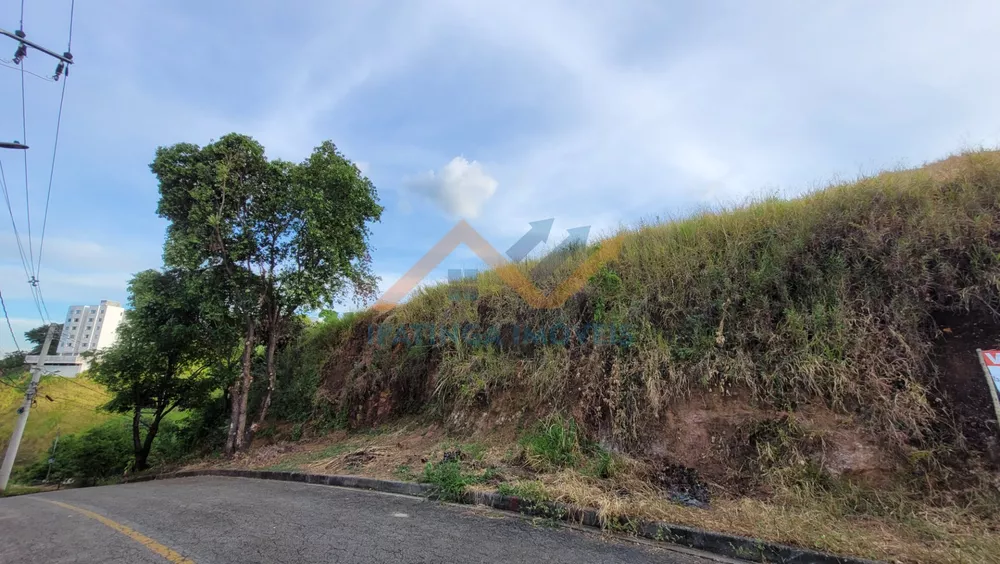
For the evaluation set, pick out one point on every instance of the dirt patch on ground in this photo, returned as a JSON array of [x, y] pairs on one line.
[[722, 439], [961, 383]]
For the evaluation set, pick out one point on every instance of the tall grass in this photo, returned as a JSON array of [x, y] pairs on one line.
[[828, 298], [63, 406]]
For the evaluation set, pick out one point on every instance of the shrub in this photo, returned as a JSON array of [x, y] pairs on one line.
[[300, 363], [98, 454], [449, 478], [552, 444]]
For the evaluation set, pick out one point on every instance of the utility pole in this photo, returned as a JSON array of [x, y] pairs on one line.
[[22, 419], [52, 456]]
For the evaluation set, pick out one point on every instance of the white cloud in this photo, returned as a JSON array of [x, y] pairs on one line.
[[767, 98], [19, 325], [460, 188]]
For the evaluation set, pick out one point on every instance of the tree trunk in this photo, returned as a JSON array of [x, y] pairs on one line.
[[142, 452], [272, 346], [240, 394]]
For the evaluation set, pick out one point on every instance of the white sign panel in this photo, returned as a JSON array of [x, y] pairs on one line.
[[991, 359]]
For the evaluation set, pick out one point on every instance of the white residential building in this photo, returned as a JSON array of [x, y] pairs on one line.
[[86, 329]]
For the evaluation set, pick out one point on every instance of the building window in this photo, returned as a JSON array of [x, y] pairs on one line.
[[77, 319], [74, 328]]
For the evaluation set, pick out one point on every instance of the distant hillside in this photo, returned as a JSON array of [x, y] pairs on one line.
[[73, 409]]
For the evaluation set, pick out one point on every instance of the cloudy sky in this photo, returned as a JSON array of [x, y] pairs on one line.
[[504, 112]]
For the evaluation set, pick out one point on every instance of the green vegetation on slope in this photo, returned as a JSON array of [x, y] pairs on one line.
[[798, 365], [828, 299], [73, 410]]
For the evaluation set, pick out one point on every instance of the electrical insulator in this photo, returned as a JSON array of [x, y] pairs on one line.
[[21, 53]]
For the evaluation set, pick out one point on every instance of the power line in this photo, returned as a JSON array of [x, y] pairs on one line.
[[9, 326], [45, 308], [73, 380], [52, 170], [67, 400], [24, 140], [72, 7], [3, 63], [13, 222]]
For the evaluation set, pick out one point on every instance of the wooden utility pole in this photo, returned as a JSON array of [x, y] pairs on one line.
[[22, 419]]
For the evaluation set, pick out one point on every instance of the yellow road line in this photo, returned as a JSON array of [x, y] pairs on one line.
[[142, 539]]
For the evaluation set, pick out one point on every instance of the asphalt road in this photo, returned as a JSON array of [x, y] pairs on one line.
[[215, 520]]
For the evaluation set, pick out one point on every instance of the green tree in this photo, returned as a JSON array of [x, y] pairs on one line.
[[159, 360], [36, 337], [282, 238]]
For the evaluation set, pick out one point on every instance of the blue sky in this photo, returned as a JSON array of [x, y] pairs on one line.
[[502, 112]]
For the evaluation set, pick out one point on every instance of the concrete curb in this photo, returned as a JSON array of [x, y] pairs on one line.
[[358, 482], [732, 546]]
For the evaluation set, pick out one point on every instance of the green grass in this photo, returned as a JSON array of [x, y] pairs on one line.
[[449, 478], [452, 478], [554, 443], [532, 491], [17, 489], [73, 410]]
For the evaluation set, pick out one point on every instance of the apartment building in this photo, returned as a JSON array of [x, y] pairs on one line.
[[85, 329]]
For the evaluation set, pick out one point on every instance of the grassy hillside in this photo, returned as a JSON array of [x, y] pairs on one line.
[[804, 366], [829, 300], [73, 409]]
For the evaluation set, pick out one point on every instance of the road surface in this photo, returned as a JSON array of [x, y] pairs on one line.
[[239, 520]]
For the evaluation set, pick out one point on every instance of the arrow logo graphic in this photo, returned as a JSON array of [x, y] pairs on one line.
[[539, 233], [577, 236]]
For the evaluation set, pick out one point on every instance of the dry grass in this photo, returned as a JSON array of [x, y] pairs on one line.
[[941, 535], [904, 531], [827, 298], [825, 302]]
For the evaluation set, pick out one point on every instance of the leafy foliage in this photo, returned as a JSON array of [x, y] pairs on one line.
[[36, 337], [104, 452], [160, 358], [281, 237]]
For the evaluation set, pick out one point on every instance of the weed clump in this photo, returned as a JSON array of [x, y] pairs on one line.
[[554, 443]]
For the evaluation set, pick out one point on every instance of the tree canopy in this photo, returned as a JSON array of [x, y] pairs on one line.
[[36, 337], [279, 237], [159, 360]]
